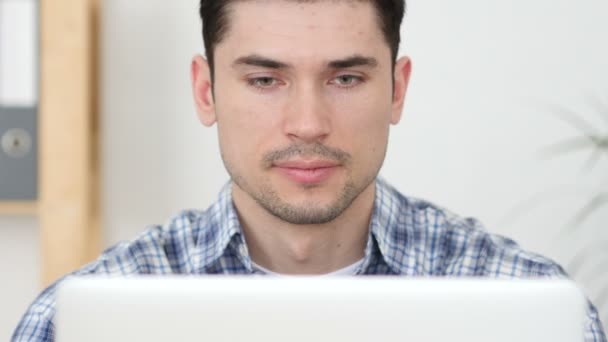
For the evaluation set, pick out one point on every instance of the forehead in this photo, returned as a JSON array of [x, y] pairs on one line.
[[303, 29]]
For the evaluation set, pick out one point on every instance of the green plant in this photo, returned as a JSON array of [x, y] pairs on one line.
[[590, 139], [590, 262]]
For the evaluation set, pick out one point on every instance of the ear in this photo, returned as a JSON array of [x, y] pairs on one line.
[[200, 75], [403, 69]]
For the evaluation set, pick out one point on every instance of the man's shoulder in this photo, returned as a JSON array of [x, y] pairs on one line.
[[444, 243], [159, 249]]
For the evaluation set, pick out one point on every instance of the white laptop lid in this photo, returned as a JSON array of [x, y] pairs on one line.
[[297, 309]]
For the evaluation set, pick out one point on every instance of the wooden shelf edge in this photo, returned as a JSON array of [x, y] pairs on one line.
[[18, 208]]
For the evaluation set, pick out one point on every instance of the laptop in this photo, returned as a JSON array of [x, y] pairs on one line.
[[321, 309]]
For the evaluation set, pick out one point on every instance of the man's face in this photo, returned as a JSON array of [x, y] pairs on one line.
[[303, 99]]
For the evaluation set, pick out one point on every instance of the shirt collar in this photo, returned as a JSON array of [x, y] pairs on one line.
[[383, 226], [224, 233], [220, 231]]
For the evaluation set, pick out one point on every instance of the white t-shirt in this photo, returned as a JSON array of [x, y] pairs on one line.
[[348, 270]]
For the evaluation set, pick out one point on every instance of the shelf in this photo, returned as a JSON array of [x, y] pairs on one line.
[[18, 208]]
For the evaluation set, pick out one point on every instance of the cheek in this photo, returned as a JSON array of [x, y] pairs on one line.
[[365, 123], [244, 128], [372, 141]]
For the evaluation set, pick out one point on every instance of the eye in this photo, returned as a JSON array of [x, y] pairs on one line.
[[262, 82], [347, 81]]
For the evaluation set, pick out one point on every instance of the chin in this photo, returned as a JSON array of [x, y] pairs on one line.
[[306, 192]]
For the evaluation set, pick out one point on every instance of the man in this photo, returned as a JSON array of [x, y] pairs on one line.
[[303, 94]]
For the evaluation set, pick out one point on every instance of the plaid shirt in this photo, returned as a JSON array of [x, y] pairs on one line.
[[408, 237]]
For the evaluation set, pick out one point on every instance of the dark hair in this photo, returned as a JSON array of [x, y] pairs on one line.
[[214, 14]]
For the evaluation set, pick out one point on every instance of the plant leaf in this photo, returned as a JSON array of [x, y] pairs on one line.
[[575, 120], [593, 159], [564, 147], [596, 203], [603, 143], [599, 106]]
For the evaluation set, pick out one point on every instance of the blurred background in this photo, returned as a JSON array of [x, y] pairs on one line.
[[506, 120]]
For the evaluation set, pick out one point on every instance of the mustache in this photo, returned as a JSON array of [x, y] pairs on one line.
[[308, 150]]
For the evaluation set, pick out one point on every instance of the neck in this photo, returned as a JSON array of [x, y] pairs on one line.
[[305, 249]]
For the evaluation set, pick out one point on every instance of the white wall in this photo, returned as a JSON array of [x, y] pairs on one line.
[[156, 158], [19, 269], [487, 77]]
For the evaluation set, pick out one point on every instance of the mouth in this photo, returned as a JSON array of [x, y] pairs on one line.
[[308, 172]]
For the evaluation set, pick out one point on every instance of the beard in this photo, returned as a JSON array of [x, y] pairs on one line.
[[307, 212]]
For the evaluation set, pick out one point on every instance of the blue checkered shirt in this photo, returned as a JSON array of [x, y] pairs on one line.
[[408, 237]]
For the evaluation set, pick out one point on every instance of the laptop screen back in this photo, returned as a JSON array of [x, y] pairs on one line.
[[298, 309]]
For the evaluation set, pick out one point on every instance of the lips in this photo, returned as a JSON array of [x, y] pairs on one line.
[[307, 171], [306, 164]]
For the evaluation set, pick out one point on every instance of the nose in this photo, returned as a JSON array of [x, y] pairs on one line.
[[307, 116]]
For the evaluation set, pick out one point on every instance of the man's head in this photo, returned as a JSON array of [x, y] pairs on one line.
[[303, 93]]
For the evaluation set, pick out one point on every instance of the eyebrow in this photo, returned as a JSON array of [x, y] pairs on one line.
[[353, 61], [264, 62], [256, 60]]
